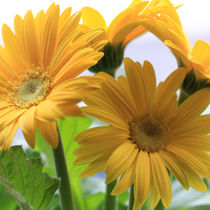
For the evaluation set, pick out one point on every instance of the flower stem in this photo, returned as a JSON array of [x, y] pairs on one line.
[[159, 206], [110, 200], [62, 172], [131, 198]]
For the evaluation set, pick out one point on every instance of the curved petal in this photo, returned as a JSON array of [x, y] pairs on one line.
[[161, 179], [49, 132], [49, 111], [126, 180], [142, 180], [7, 134], [27, 123], [122, 157], [93, 18]]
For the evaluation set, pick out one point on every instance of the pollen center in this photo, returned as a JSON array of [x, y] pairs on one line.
[[31, 89], [149, 134]]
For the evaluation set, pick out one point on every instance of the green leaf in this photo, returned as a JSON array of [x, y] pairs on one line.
[[93, 201], [46, 155], [69, 128], [23, 179], [6, 201]]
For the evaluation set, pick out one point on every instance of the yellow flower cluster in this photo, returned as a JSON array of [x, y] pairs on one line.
[[148, 134]]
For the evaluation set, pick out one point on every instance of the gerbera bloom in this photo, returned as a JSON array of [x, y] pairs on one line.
[[147, 134], [168, 28], [38, 68], [123, 29]]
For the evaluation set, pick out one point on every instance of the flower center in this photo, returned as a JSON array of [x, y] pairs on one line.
[[30, 88], [149, 134]]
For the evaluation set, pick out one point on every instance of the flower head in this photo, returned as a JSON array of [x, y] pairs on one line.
[[147, 134], [168, 28], [38, 67], [124, 28]]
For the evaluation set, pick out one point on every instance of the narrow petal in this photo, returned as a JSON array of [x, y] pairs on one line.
[[191, 160], [94, 167], [126, 180], [161, 179], [49, 35], [176, 170], [120, 160], [27, 123], [30, 38], [49, 132], [7, 134], [49, 111], [101, 133], [142, 181], [106, 117], [73, 111], [193, 106]]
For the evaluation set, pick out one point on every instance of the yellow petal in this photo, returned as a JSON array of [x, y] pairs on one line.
[[135, 82], [94, 167], [30, 38], [49, 111], [27, 123], [49, 132], [126, 180], [161, 179], [107, 117], [193, 106], [49, 34], [176, 170], [191, 160], [93, 18], [7, 134], [142, 181], [120, 160], [200, 51], [102, 133]]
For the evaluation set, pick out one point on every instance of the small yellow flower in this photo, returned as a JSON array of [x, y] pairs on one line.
[[123, 29], [147, 134], [38, 67]]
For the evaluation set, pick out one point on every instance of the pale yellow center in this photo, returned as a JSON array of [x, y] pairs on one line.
[[149, 134], [31, 89]]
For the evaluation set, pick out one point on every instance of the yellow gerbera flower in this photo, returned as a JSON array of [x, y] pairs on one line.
[[123, 29], [168, 28], [148, 134], [38, 67]]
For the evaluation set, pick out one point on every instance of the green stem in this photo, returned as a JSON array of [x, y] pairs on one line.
[[62, 172], [159, 206], [131, 198], [110, 200]]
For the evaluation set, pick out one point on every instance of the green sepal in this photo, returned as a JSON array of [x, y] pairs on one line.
[[191, 85], [112, 59]]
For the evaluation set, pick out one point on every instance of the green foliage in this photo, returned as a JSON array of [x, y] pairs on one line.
[[23, 179], [69, 128]]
